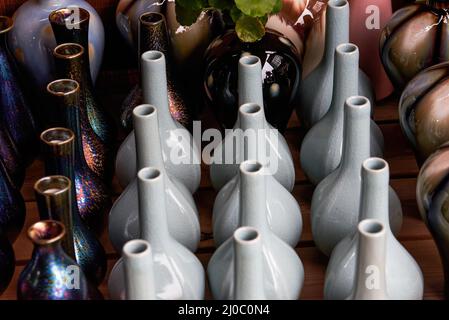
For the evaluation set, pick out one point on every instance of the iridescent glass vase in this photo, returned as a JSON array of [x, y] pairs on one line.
[[15, 111], [50, 274], [92, 194], [97, 130], [54, 199]]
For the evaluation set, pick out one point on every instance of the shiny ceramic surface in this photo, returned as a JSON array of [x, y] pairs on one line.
[[32, 40]]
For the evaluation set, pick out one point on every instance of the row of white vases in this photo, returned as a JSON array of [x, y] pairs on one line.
[[256, 221]]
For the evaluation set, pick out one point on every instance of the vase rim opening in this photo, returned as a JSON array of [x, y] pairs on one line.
[[52, 185], [347, 48], [357, 101], [246, 235], [249, 60], [63, 87], [57, 136], [6, 24], [136, 247], [251, 167], [371, 227], [151, 18], [46, 232], [375, 164], [152, 55], [64, 16], [337, 3], [250, 108], [68, 51], [149, 174], [144, 110]]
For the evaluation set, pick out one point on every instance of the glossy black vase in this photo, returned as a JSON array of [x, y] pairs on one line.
[[7, 263], [54, 199], [15, 112], [12, 206], [92, 194], [153, 35], [281, 75], [50, 274]]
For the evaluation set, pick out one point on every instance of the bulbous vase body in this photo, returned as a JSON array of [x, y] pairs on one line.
[[422, 113], [182, 214], [403, 277], [177, 272], [322, 147], [7, 263], [15, 108], [281, 76], [312, 107], [417, 32], [180, 153], [336, 199], [32, 40], [51, 274]]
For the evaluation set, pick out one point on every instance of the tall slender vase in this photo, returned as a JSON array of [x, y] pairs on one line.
[[178, 273], [371, 261], [51, 274], [15, 110], [321, 149], [404, 279], [176, 140], [12, 206], [32, 40], [153, 35], [139, 270], [182, 213], [312, 107], [7, 263], [367, 19], [97, 137], [11, 159], [336, 200], [92, 195], [58, 147], [283, 270]]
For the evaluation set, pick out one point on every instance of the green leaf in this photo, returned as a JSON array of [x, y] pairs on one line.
[[191, 5], [249, 29], [256, 8], [221, 4], [263, 19], [235, 14], [186, 17], [277, 7]]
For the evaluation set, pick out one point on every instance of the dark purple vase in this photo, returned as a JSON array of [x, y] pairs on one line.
[[50, 274], [7, 263], [15, 113], [281, 75]]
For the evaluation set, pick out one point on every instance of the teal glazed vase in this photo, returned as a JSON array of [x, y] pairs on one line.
[[50, 274], [32, 40], [15, 109]]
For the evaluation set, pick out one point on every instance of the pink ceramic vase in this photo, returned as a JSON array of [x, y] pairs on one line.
[[368, 17]]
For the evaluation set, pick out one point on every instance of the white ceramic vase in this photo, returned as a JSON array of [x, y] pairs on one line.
[[251, 118], [183, 220], [180, 153], [322, 146], [404, 279], [283, 273], [177, 272], [336, 199], [282, 211]]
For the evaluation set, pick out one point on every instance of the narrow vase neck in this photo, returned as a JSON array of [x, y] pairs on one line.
[[153, 34], [152, 208], [248, 269], [356, 143], [253, 196], [337, 28], [370, 283], [252, 124], [148, 141], [374, 196], [250, 81]]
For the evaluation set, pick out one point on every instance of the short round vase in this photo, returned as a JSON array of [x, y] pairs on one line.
[[281, 76], [422, 110], [415, 38]]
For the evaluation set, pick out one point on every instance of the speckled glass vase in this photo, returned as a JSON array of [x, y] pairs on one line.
[[92, 195], [50, 274], [58, 147]]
